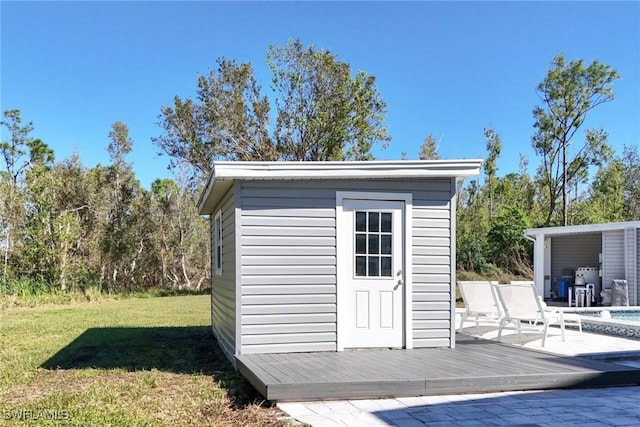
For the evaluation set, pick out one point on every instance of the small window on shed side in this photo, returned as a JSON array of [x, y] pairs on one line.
[[217, 243]]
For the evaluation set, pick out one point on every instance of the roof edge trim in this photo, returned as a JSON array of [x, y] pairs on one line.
[[569, 229], [381, 169]]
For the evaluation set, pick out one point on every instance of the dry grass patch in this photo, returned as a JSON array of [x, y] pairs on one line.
[[137, 362]]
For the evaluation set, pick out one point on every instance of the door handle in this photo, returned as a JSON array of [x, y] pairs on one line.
[[399, 283]]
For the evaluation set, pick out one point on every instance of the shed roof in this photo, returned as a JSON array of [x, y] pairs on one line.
[[225, 172], [581, 229]]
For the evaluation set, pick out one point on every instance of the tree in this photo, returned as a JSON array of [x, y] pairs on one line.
[[514, 190], [53, 237], [494, 147], [164, 193], [20, 153], [237, 112], [120, 144], [429, 149], [178, 235], [66, 227], [14, 149], [605, 202], [568, 92], [471, 228], [508, 248], [631, 182], [228, 120], [324, 113], [120, 242], [186, 138]]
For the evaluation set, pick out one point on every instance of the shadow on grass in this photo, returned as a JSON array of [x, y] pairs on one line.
[[181, 350]]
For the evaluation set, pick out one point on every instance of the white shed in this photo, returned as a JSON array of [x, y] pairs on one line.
[[324, 256], [612, 249]]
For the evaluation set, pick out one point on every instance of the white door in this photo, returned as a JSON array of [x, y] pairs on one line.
[[374, 294]]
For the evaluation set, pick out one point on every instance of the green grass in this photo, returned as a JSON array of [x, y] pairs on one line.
[[133, 362]]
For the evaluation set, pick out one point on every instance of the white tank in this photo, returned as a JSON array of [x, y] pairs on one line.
[[590, 274]]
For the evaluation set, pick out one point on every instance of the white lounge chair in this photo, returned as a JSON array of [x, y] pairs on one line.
[[569, 318], [480, 302], [523, 309]]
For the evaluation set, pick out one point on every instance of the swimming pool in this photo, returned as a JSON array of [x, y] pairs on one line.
[[631, 316], [618, 321]]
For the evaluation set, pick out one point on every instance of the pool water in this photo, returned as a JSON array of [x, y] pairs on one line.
[[631, 316], [626, 315]]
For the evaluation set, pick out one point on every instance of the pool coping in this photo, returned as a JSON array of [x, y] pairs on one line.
[[614, 327]]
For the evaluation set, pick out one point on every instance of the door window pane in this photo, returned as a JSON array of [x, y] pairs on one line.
[[385, 266], [374, 266], [374, 221], [361, 266], [374, 243], [385, 222], [385, 244], [361, 221], [361, 243]]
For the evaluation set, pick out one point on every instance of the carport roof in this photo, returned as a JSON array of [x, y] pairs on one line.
[[580, 229]]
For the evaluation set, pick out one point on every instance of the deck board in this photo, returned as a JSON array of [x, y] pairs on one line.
[[473, 366]]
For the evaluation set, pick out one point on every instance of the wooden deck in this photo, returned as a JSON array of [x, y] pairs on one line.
[[474, 366]]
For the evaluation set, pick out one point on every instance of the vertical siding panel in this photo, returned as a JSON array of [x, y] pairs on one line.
[[237, 212], [223, 287], [288, 244], [452, 264], [613, 256], [637, 258], [433, 263], [630, 263]]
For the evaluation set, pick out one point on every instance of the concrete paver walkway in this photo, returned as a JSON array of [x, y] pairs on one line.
[[618, 406]]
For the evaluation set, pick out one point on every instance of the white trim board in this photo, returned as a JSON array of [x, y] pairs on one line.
[[225, 172], [585, 228]]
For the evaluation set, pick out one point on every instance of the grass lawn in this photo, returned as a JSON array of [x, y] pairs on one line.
[[132, 362]]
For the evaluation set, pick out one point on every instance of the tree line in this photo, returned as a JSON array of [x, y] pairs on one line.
[[68, 226], [579, 179]]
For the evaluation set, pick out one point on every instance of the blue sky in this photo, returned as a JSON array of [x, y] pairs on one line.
[[446, 68]]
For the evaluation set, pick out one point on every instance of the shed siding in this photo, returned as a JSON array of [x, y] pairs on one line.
[[223, 287], [288, 247], [573, 251], [612, 257], [631, 259], [432, 261], [637, 255], [288, 268]]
